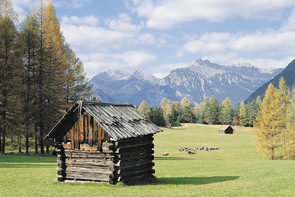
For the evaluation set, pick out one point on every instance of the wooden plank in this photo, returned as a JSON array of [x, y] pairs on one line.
[[89, 176], [84, 129], [90, 131], [95, 131], [127, 179], [82, 153], [102, 134], [72, 139], [101, 164], [134, 144], [99, 142], [81, 129], [98, 170], [135, 171], [135, 163], [77, 128]]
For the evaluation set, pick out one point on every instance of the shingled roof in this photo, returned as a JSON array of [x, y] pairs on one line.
[[119, 120]]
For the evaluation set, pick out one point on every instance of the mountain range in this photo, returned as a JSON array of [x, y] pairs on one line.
[[199, 80], [289, 75]]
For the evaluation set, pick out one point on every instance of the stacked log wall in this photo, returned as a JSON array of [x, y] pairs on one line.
[[135, 159], [126, 160], [87, 153]]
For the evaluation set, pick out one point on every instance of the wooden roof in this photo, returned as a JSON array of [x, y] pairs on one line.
[[119, 120], [225, 127]]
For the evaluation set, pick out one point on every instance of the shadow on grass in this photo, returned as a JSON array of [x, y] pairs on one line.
[[194, 180], [172, 158], [183, 180]]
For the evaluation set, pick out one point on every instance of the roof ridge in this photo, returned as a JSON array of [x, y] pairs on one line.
[[105, 103]]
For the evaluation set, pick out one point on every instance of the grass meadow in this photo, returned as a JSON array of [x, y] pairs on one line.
[[237, 169]]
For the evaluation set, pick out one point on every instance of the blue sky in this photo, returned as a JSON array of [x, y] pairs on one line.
[[161, 35]]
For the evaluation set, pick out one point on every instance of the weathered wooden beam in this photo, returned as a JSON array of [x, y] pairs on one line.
[[89, 176], [99, 142], [140, 176], [72, 138], [99, 170], [134, 144]]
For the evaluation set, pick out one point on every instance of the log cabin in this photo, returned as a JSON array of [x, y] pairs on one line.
[[226, 129], [103, 142]]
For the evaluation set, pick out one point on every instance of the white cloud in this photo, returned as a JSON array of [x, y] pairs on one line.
[[71, 4], [98, 62], [264, 43], [85, 20], [224, 47], [22, 7], [117, 32], [123, 24], [201, 47], [168, 13], [290, 23]]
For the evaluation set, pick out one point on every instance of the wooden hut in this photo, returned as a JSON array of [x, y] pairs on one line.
[[106, 142], [226, 129]]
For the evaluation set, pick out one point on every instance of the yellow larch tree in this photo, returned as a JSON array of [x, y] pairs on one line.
[[266, 124], [290, 135], [166, 107], [243, 114], [284, 100]]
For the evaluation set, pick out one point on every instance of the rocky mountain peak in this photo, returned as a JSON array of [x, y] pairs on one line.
[[200, 79]]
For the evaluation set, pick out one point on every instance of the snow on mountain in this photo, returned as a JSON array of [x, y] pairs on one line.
[[199, 80]]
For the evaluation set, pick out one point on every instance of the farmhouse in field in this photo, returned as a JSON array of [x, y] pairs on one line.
[[226, 129], [108, 142]]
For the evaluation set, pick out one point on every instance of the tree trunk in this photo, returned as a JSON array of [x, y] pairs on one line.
[[0, 139], [3, 141], [41, 141], [272, 153], [36, 140], [47, 149], [27, 144], [19, 144]]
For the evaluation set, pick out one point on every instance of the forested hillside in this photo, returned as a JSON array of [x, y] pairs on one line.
[[39, 75], [289, 75]]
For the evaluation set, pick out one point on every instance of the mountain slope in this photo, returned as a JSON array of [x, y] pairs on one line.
[[200, 79], [289, 75]]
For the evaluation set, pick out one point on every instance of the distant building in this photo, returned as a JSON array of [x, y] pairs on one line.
[[226, 129]]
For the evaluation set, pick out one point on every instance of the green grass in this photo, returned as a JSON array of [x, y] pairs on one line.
[[237, 169]]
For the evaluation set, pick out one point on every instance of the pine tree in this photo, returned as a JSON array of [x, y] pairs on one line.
[[213, 111], [51, 70], [159, 117], [205, 107], [243, 114], [8, 98], [77, 84], [188, 114], [226, 114], [266, 124], [252, 110], [41, 74], [29, 34]]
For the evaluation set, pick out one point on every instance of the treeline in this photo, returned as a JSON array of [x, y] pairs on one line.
[[173, 113], [39, 75], [275, 125]]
